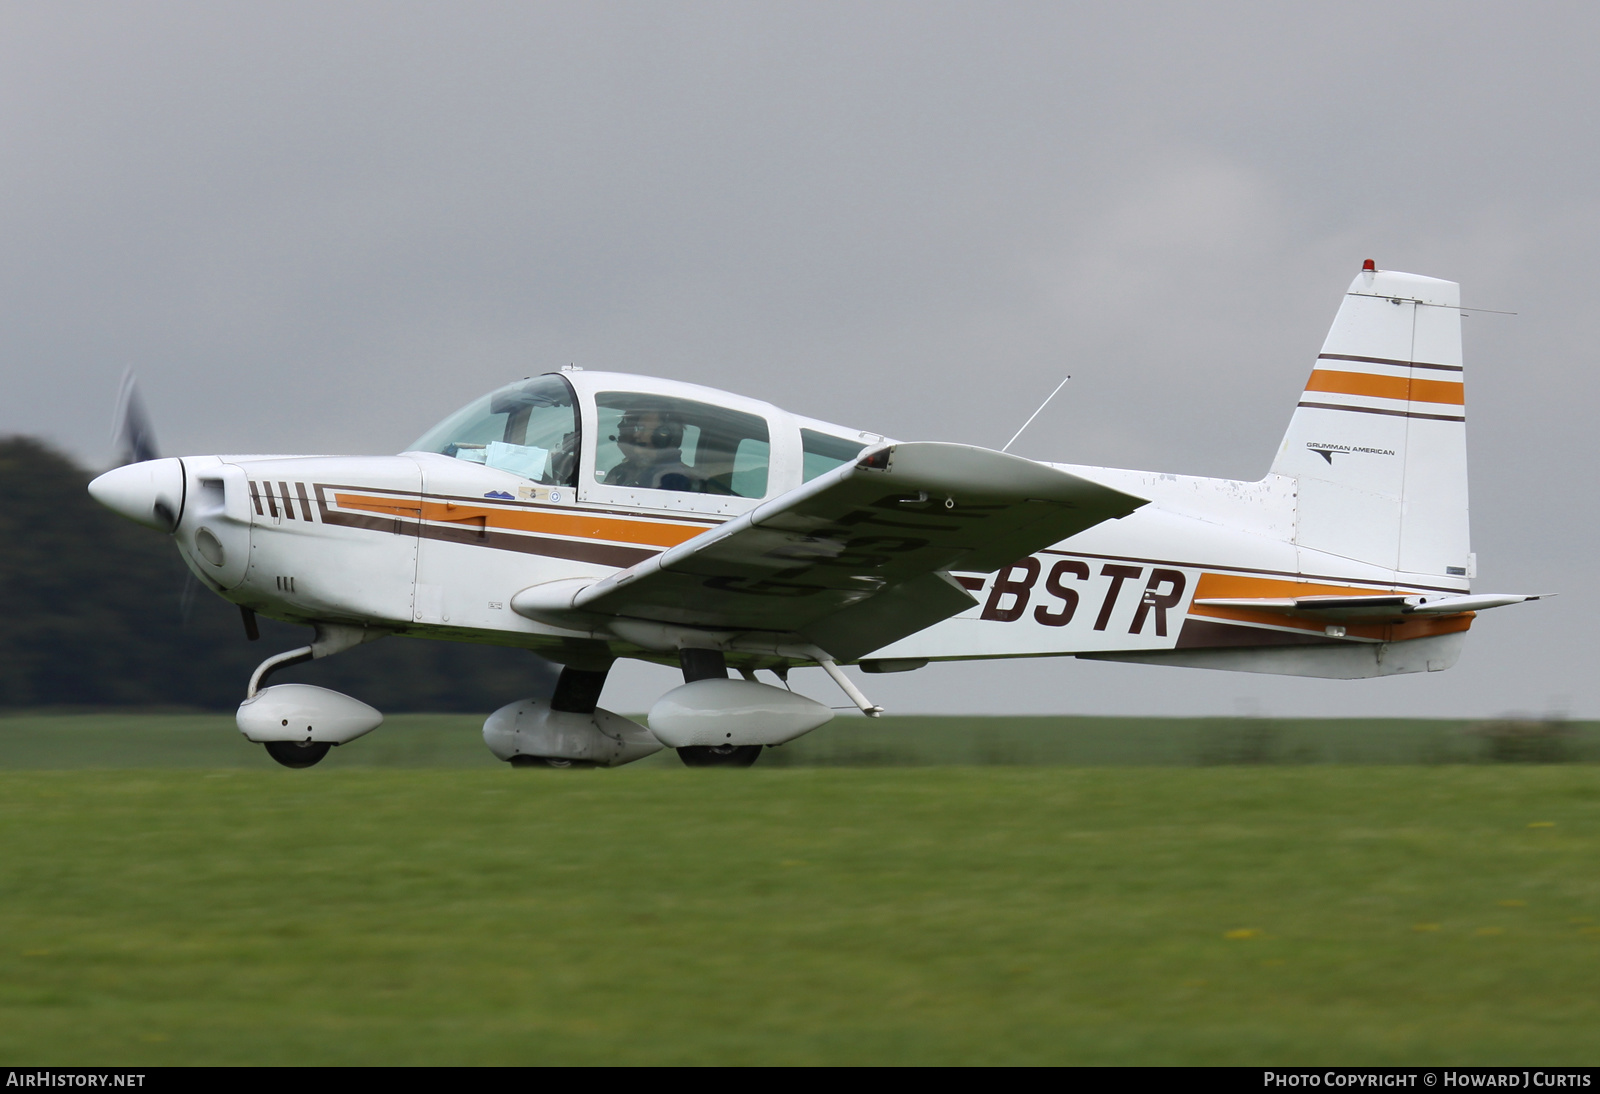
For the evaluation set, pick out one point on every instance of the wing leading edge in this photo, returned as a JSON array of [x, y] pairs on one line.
[[855, 559]]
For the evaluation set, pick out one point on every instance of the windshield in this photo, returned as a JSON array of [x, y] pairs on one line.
[[664, 443], [529, 428]]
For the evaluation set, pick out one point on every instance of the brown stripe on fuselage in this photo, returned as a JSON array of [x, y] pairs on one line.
[[576, 523], [507, 505], [1200, 634], [1234, 586], [471, 525], [604, 554], [404, 514]]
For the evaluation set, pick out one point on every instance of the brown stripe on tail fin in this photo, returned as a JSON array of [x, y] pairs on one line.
[[1377, 445]]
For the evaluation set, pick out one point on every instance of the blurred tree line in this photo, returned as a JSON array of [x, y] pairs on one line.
[[100, 612]]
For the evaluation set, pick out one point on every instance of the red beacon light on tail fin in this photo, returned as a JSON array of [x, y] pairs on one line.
[[1369, 266]]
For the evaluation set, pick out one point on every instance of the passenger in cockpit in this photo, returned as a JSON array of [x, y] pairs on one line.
[[651, 442]]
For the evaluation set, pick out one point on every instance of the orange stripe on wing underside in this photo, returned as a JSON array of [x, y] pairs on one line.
[[1387, 387], [578, 525]]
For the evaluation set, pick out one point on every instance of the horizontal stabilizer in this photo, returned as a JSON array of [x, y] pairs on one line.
[[1378, 608]]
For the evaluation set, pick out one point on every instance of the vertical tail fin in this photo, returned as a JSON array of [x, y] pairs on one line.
[[1377, 445]]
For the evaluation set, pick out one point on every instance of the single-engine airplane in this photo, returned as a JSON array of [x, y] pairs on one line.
[[592, 516]]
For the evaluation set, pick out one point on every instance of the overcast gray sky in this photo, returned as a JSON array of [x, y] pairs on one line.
[[320, 226]]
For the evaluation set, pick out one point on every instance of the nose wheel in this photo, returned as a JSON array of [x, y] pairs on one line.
[[297, 754], [719, 755]]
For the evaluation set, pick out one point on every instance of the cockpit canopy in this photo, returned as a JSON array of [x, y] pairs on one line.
[[529, 428], [662, 440]]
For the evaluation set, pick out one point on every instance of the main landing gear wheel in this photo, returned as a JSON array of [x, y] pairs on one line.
[[297, 753], [719, 755]]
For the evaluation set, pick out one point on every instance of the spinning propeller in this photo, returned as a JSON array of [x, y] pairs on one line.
[[144, 488], [131, 431]]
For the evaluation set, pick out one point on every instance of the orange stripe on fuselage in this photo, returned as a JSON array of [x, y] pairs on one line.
[[1387, 387], [1235, 586], [576, 524]]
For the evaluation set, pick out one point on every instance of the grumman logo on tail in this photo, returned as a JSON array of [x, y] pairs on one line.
[[591, 516], [1328, 451]]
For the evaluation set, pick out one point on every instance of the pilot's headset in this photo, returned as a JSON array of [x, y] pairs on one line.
[[667, 433]]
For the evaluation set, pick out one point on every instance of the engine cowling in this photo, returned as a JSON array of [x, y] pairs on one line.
[[529, 727], [733, 712]]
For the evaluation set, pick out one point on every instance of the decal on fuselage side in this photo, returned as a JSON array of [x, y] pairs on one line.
[[271, 499], [1050, 602], [600, 536], [1060, 602], [1065, 581]]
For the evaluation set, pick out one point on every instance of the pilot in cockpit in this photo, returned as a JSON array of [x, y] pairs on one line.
[[651, 442]]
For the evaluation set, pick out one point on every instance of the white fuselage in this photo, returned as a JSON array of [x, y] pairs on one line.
[[431, 546]]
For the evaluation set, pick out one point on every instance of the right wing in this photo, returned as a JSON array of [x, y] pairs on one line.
[[853, 560]]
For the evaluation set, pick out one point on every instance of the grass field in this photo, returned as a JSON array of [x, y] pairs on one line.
[[981, 914], [54, 741]]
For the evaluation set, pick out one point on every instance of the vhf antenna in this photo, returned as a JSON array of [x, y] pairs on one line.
[[1036, 413]]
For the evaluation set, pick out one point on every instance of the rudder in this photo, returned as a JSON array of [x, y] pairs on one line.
[[1377, 444]]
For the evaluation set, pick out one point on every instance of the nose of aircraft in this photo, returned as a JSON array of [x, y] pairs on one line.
[[149, 493]]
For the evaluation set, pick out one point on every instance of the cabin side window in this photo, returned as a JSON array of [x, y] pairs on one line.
[[661, 443], [823, 452], [528, 428]]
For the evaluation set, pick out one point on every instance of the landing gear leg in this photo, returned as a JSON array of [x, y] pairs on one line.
[[577, 692], [330, 638], [712, 665]]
